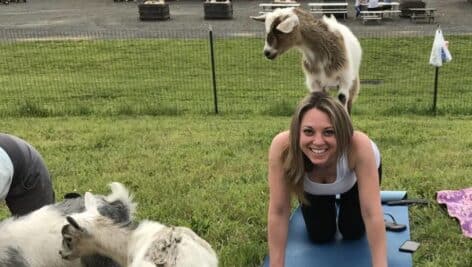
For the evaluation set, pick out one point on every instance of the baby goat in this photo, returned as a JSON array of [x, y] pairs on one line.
[[331, 52], [33, 240], [149, 244]]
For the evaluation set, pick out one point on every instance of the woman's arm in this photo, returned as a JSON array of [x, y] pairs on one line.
[[279, 202], [369, 194]]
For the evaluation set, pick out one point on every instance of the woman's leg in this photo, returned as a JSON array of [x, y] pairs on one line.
[[34, 191], [350, 222], [320, 217]]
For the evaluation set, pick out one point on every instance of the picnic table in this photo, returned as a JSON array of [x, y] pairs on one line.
[[385, 5], [371, 15], [389, 9], [385, 9], [269, 7], [329, 8], [422, 13]]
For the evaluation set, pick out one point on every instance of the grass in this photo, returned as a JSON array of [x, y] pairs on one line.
[[140, 112], [167, 77], [209, 172]]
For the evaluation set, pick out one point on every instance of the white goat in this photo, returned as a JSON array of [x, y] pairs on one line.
[[34, 240], [149, 244], [331, 52]]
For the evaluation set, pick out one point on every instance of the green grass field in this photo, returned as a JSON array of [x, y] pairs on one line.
[[209, 172], [123, 110]]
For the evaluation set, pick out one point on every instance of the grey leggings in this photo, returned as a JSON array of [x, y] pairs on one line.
[[31, 187]]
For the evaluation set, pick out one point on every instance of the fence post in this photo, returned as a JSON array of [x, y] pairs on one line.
[[435, 96], [213, 73]]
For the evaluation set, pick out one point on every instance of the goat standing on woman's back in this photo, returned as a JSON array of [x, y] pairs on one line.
[[331, 52]]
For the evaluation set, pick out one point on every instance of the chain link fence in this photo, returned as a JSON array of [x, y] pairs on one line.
[[175, 72]]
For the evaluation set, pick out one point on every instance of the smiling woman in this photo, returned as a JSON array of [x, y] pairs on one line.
[[321, 156]]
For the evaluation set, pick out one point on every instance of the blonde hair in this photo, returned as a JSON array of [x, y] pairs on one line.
[[296, 164]]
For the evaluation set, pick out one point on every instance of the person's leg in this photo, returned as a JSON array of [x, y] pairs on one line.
[[350, 222], [34, 191], [320, 217]]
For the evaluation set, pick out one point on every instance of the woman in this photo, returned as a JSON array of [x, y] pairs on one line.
[[319, 157], [25, 183]]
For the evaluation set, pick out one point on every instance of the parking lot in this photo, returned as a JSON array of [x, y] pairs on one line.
[[78, 18]]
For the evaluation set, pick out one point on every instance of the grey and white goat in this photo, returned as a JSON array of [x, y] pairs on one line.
[[148, 244], [331, 53], [34, 240]]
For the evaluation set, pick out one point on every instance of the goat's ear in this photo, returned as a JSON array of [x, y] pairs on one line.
[[74, 223], [259, 18], [287, 25], [90, 201]]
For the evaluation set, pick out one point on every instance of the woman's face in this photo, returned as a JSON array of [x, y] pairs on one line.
[[317, 139]]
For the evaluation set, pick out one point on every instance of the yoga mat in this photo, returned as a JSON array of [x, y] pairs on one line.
[[301, 252], [392, 195]]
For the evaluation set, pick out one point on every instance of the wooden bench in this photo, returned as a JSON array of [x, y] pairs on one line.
[[391, 13], [368, 15], [329, 8], [371, 18]]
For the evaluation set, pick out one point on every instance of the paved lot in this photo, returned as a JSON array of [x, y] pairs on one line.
[[107, 18]]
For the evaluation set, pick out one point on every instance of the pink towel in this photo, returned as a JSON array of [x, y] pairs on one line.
[[459, 205]]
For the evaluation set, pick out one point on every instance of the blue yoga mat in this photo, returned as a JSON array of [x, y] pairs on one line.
[[301, 252]]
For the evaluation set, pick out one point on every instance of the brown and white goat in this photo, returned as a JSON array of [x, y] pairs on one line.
[[331, 53]]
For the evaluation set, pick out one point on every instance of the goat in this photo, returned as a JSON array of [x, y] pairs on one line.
[[33, 240], [148, 244], [331, 52]]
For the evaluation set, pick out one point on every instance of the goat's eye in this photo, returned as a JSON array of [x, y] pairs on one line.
[[67, 243]]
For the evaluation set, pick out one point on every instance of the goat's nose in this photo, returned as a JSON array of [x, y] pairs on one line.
[[266, 53], [270, 54]]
